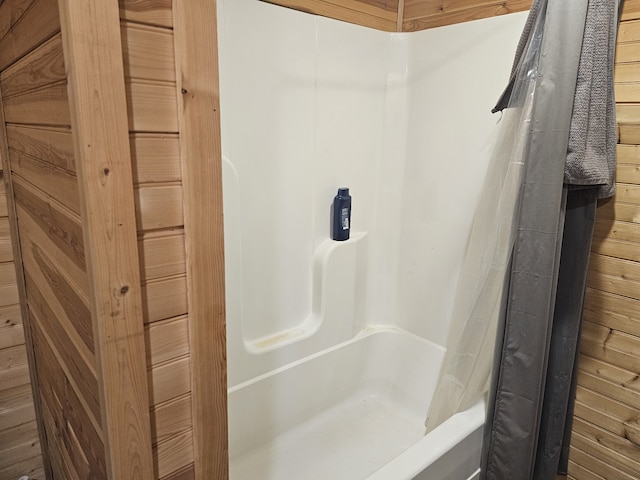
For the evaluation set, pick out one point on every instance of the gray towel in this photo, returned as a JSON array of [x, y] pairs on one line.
[[591, 156]]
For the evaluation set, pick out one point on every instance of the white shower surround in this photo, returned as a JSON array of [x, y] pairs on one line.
[[310, 104]]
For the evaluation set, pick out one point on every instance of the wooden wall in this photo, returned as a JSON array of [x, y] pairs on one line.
[[19, 442], [378, 14], [150, 76], [606, 427], [406, 15], [50, 151], [45, 194], [423, 14]]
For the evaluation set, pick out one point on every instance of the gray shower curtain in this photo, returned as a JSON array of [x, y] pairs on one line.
[[569, 163]]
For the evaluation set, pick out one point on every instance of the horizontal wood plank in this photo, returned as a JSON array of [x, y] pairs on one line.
[[613, 311], [603, 445], [61, 225], [152, 107], [10, 13], [6, 251], [628, 133], [51, 145], [152, 12], [155, 158], [606, 379], [55, 182], [164, 298], [614, 210], [171, 418], [45, 106], [36, 25], [595, 465], [41, 67], [611, 346], [630, 10], [614, 275], [577, 471], [606, 413], [162, 254], [169, 380], [31, 467], [167, 340], [349, 11], [11, 328], [16, 406], [148, 53], [476, 12], [174, 453], [19, 452], [8, 285], [186, 473], [158, 207], [25, 432]]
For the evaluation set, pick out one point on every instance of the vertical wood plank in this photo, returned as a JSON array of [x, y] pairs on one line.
[[199, 120], [93, 58], [22, 292]]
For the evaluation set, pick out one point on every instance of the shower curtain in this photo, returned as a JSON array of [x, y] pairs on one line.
[[519, 301]]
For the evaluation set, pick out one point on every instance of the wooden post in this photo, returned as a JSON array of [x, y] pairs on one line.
[[199, 121], [93, 59]]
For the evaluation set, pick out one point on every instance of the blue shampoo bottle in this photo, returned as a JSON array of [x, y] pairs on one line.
[[341, 213]]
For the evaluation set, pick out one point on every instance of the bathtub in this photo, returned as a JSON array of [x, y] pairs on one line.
[[352, 411]]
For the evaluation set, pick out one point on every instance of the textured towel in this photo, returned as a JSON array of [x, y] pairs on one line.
[[591, 156]]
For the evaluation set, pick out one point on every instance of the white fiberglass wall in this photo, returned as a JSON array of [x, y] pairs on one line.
[[310, 104]]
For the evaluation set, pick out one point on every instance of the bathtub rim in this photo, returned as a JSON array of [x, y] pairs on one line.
[[414, 460]]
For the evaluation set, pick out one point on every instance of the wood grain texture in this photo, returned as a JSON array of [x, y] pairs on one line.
[[17, 406], [165, 298], [11, 328], [169, 380], [37, 23], [31, 467], [606, 439], [200, 150], [173, 454], [97, 98], [10, 13], [171, 418], [74, 433], [424, 14], [162, 254], [152, 107], [156, 158], [44, 106], [30, 407], [151, 12], [148, 53], [52, 145], [61, 225], [606, 379], [381, 15], [159, 207], [55, 182], [43, 66]]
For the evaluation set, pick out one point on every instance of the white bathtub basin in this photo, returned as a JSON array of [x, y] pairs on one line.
[[351, 412]]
